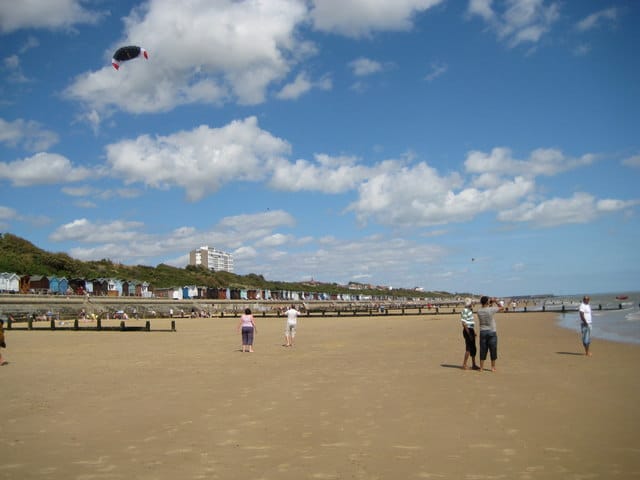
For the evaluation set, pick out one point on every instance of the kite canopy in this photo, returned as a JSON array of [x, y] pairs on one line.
[[124, 54]]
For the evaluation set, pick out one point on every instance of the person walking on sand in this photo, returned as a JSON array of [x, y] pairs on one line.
[[247, 327], [488, 334], [2, 342], [585, 324], [469, 334], [290, 328]]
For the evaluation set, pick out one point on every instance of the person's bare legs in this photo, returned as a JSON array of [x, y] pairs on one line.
[[466, 359], [493, 365]]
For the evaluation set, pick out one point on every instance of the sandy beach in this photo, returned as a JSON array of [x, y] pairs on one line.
[[356, 398]]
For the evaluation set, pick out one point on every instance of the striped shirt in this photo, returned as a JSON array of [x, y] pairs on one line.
[[466, 317]]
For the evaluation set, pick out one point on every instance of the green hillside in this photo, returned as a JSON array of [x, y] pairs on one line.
[[20, 256]]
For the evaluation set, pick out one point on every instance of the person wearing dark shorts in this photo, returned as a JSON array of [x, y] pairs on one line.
[[2, 342], [488, 334], [469, 334]]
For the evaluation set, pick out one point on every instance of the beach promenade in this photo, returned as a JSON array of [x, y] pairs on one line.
[[356, 398]]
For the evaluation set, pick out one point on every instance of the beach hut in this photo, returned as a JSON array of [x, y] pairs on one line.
[[63, 286], [38, 284], [114, 287], [77, 285], [9, 282], [100, 286], [143, 290], [53, 285]]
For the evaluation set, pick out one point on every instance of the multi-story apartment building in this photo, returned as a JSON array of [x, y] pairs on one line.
[[211, 258]]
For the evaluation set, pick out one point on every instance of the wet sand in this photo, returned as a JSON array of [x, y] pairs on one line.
[[356, 398]]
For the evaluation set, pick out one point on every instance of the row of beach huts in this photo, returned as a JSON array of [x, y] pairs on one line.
[[13, 283]]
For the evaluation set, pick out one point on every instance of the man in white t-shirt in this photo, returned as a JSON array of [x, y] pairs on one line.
[[290, 329], [585, 324]]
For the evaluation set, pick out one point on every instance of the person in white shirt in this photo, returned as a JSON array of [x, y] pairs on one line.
[[292, 323], [585, 324]]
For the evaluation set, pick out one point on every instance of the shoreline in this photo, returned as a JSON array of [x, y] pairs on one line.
[[357, 397]]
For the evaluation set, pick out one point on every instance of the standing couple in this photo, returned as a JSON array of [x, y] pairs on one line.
[[247, 328], [488, 334]]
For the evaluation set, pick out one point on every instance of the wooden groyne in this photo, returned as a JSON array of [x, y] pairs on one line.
[[78, 313]]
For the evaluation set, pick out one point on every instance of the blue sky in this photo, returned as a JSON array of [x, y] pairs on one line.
[[483, 146]]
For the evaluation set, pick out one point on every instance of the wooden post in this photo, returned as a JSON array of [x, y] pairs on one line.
[[173, 325], [75, 324], [99, 324], [53, 324], [122, 325], [30, 323], [147, 326]]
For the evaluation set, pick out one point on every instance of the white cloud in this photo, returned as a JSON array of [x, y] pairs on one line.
[[90, 232], [364, 66], [436, 70], [357, 18], [596, 19], [7, 213], [346, 260], [275, 240], [49, 14], [542, 161], [29, 135], [200, 160], [633, 161], [301, 85], [580, 208], [481, 8], [419, 196], [42, 169], [326, 174], [208, 52], [231, 233], [519, 21]]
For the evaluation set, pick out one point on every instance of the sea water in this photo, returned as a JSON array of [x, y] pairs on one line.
[[618, 321]]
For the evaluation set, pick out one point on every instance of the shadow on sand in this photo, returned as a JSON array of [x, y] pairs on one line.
[[448, 365]]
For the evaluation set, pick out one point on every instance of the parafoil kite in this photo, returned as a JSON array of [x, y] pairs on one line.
[[124, 54]]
